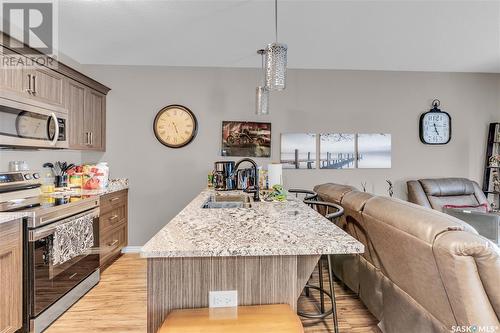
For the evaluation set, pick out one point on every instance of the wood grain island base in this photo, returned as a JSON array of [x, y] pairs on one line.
[[184, 283], [266, 252]]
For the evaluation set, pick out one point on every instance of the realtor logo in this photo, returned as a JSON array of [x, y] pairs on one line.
[[29, 23], [29, 29]]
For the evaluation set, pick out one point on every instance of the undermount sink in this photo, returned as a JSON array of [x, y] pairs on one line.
[[228, 201]]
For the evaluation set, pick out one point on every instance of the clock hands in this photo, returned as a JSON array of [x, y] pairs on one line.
[[175, 127], [436, 129]]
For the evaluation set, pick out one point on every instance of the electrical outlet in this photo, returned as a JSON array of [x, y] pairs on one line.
[[222, 299]]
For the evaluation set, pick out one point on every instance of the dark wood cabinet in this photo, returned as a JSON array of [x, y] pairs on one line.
[[11, 276], [113, 226]]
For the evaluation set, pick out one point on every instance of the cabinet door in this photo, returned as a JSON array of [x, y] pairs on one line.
[[95, 118], [11, 277], [46, 85], [74, 101], [11, 76]]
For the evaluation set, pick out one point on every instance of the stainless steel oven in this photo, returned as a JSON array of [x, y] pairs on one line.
[[54, 286], [25, 125]]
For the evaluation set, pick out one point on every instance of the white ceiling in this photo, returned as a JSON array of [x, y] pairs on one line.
[[454, 36]]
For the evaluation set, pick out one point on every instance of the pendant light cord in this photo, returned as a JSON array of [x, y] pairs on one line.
[[276, 19]]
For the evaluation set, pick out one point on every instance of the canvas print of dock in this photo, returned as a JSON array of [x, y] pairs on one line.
[[298, 150], [337, 151], [374, 151]]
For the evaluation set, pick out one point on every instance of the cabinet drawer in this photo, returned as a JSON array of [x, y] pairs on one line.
[[112, 218], [113, 200], [111, 243]]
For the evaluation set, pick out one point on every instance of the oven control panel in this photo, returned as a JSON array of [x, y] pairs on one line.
[[19, 178]]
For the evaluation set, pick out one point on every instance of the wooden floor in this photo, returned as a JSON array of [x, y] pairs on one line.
[[118, 304]]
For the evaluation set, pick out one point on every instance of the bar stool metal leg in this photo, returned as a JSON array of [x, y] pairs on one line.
[[321, 294], [332, 292]]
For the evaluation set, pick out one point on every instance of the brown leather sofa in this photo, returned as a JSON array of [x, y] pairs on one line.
[[436, 193], [422, 270]]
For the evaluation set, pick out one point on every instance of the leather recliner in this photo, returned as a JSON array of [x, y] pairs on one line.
[[436, 193], [422, 270]]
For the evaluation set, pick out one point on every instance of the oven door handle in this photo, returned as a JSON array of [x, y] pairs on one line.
[[56, 134], [43, 232]]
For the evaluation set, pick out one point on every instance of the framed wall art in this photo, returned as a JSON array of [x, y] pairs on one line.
[[249, 139]]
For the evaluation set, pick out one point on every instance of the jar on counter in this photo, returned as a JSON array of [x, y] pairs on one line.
[[48, 181]]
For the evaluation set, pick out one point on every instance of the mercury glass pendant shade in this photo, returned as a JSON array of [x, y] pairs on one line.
[[276, 61], [262, 101]]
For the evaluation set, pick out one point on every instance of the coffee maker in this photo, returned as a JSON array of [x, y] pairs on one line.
[[224, 179]]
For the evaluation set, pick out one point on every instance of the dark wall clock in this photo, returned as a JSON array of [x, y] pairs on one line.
[[175, 126], [435, 126]]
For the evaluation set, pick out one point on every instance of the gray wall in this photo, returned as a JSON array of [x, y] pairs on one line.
[[164, 180]]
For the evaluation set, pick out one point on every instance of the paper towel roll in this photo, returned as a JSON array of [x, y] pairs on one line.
[[275, 174]]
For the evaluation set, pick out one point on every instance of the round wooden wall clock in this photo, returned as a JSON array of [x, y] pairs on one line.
[[175, 126]]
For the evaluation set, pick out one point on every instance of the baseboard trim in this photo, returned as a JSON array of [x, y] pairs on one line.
[[132, 249]]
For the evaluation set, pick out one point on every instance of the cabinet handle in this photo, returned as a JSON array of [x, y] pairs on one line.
[[29, 84], [114, 199], [113, 217], [34, 85], [91, 138], [87, 140], [113, 243]]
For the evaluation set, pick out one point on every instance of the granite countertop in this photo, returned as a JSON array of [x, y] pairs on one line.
[[265, 229], [114, 185], [7, 217]]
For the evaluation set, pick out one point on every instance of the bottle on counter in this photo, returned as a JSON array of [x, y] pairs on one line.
[[48, 180]]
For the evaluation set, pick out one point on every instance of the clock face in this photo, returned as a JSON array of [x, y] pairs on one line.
[[435, 128], [175, 126]]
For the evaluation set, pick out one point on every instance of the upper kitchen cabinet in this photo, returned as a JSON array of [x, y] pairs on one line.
[[95, 119], [44, 85], [87, 116], [30, 83], [74, 95], [58, 87], [11, 78]]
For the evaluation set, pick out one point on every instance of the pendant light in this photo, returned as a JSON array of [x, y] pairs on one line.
[[262, 96], [276, 59]]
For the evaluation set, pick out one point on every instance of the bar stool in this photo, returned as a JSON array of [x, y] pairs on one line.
[[307, 194], [331, 212]]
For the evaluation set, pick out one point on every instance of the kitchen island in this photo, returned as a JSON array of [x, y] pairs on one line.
[[266, 252]]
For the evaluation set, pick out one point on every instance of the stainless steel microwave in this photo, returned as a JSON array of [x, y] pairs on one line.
[[32, 126]]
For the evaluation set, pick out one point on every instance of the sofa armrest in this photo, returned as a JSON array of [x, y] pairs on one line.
[[469, 266], [416, 194]]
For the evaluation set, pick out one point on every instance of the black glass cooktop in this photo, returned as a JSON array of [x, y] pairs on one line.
[[39, 202]]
